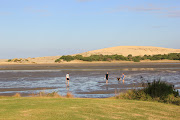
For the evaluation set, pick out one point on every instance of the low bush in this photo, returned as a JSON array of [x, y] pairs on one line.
[[135, 95], [53, 94], [155, 91], [171, 56], [9, 60], [44, 94], [160, 89], [20, 60], [69, 95], [17, 95], [171, 99]]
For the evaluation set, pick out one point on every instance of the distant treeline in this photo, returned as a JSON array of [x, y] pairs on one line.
[[171, 56]]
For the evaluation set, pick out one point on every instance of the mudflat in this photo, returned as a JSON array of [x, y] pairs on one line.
[[89, 65], [87, 79]]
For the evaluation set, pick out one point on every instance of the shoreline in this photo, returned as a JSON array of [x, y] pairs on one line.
[[89, 65]]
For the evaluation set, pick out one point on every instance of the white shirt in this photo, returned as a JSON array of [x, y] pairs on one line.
[[67, 75]]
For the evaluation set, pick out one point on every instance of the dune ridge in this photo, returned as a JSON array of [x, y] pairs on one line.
[[133, 50], [120, 50]]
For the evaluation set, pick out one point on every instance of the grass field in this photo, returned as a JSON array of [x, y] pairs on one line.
[[43, 108]]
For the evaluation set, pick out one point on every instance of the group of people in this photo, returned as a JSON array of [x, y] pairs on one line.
[[120, 78], [106, 77]]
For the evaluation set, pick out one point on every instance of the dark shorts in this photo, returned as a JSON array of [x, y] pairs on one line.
[[67, 78], [106, 78]]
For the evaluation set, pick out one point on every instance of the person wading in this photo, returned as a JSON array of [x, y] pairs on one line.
[[107, 77], [123, 77], [67, 78]]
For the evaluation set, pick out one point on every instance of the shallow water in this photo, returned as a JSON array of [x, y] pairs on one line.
[[83, 82]]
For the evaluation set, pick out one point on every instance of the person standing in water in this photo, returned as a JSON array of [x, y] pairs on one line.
[[107, 77], [67, 78], [123, 77]]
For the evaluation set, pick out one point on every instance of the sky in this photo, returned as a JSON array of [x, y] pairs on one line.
[[35, 28]]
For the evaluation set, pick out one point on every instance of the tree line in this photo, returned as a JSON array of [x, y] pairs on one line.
[[170, 56]]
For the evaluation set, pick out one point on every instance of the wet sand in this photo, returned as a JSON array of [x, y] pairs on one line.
[[87, 79], [89, 66]]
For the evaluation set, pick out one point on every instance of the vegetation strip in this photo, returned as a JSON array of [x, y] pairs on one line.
[[68, 58]]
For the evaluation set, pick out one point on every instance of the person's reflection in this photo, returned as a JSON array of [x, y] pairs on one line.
[[106, 86], [67, 88]]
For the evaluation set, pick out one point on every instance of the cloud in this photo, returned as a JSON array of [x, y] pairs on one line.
[[170, 12], [173, 14]]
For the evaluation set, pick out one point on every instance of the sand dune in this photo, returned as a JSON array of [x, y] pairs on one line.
[[134, 50], [120, 50], [48, 59], [36, 60]]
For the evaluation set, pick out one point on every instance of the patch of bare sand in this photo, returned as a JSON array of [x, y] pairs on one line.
[[36, 60]]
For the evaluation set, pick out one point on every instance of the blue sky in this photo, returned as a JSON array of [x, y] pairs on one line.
[[31, 28]]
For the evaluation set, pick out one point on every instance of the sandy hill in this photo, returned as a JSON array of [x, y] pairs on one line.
[[120, 50], [134, 50]]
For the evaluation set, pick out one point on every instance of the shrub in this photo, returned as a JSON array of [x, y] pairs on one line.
[[171, 56], [53, 94], [67, 58], [69, 95], [160, 89], [129, 57], [136, 59], [9, 60], [78, 57], [17, 95], [44, 94], [155, 91], [58, 60], [135, 95], [171, 99]]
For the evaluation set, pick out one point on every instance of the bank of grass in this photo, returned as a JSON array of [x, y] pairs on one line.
[[41, 108]]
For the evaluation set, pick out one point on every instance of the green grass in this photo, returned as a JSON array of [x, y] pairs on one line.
[[45, 108]]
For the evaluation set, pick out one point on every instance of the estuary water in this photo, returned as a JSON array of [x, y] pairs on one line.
[[88, 83]]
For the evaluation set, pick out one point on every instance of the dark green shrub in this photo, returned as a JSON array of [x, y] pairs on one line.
[[174, 56], [87, 59], [78, 57], [155, 91], [160, 89], [129, 57], [144, 57], [136, 59], [67, 58], [171, 56], [9, 60], [57, 60], [135, 95]]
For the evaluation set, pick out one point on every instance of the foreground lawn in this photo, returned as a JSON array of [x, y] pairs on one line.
[[36, 108]]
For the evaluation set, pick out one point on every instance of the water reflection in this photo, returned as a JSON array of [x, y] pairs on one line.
[[83, 83]]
